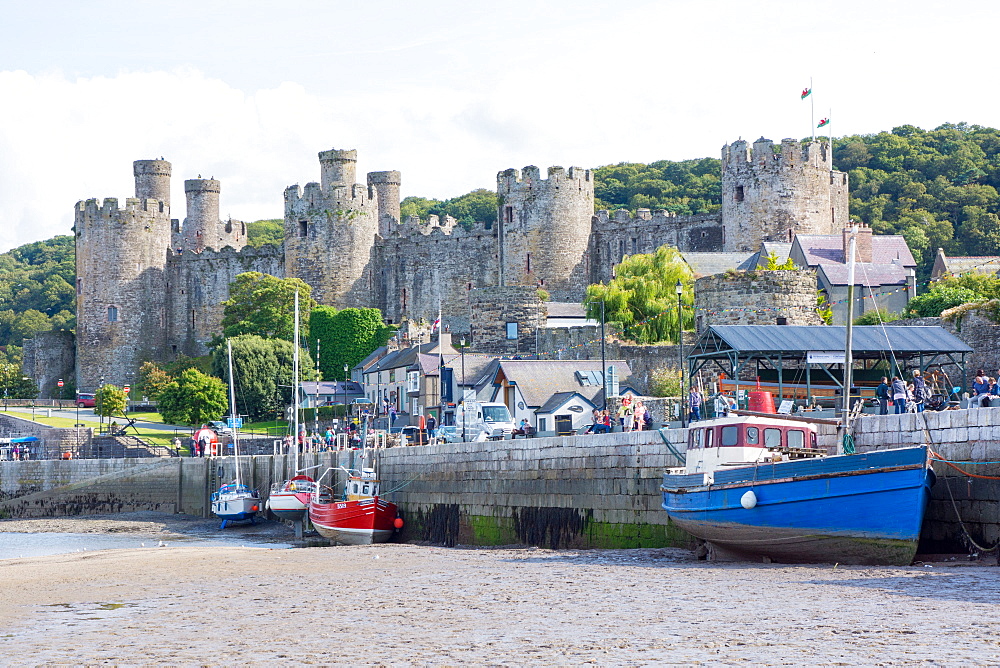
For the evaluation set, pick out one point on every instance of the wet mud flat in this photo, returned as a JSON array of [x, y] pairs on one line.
[[424, 605]]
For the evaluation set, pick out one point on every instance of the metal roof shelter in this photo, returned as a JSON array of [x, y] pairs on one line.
[[814, 351]]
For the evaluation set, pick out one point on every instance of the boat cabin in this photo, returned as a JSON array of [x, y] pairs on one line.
[[745, 440], [363, 486]]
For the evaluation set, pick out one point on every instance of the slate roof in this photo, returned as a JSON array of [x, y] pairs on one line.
[[865, 274], [565, 310], [799, 339], [538, 380], [707, 264], [560, 398], [778, 248], [829, 248], [980, 264]]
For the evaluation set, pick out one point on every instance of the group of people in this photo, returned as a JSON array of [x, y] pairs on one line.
[[905, 397], [985, 391]]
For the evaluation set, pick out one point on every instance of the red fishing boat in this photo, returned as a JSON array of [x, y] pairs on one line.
[[359, 517]]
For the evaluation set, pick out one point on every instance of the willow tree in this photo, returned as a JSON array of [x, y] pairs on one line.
[[642, 296]]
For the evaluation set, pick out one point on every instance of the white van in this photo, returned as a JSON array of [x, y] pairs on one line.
[[488, 418]]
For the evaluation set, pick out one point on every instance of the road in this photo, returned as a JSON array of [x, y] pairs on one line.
[[87, 417]]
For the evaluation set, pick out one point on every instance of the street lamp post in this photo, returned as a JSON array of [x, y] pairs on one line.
[[463, 389], [680, 346], [345, 398], [604, 360]]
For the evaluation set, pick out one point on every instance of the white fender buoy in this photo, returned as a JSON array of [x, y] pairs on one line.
[[749, 500]]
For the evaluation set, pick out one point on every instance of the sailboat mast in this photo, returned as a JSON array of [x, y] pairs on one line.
[[232, 410], [295, 390], [849, 338]]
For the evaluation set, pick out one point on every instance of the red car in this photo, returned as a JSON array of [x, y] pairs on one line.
[[85, 400]]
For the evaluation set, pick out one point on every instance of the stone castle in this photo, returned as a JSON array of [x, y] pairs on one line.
[[149, 286]]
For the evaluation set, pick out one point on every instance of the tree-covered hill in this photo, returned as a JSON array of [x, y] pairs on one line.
[[36, 289]]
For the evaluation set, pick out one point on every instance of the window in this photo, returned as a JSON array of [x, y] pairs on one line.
[[796, 439], [753, 436], [79, 285], [303, 229], [512, 330], [708, 438], [635, 245], [782, 320], [527, 264], [739, 193], [772, 438], [730, 435], [413, 381], [112, 314], [508, 214], [621, 247], [543, 424], [694, 438]]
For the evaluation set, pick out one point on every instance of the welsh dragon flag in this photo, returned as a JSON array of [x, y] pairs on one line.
[[823, 122], [806, 92]]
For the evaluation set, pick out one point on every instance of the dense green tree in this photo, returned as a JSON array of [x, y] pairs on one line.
[[346, 336], [110, 400], [153, 379], [478, 206], [940, 298], [192, 399], [262, 373], [262, 232], [14, 384], [264, 305], [643, 297]]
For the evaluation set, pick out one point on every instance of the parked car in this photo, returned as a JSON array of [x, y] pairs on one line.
[[220, 427], [85, 400], [449, 434]]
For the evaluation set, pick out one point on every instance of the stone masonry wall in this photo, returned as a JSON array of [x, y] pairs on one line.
[[756, 298], [982, 335], [49, 356], [492, 308]]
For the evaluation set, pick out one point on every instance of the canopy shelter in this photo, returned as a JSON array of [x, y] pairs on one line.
[[803, 361]]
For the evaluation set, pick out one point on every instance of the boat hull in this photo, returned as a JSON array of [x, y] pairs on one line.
[[235, 503], [289, 505], [851, 509], [361, 522]]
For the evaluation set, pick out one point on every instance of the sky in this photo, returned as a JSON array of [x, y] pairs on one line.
[[448, 92]]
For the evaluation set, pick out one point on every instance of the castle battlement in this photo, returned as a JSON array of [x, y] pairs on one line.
[[333, 196], [623, 218], [790, 154], [229, 252], [109, 209], [510, 180]]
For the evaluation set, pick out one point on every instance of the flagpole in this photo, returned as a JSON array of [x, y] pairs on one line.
[[812, 109]]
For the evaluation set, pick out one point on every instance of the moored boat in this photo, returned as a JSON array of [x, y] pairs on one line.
[[757, 487], [289, 499], [360, 517]]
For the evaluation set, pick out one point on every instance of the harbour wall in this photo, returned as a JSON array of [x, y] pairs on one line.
[[593, 491], [585, 491]]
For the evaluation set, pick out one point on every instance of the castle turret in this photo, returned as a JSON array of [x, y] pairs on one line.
[[771, 193], [330, 230], [202, 228], [386, 185], [337, 167], [544, 229], [152, 180]]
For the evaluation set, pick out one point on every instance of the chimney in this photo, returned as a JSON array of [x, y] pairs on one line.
[[444, 339], [863, 243]]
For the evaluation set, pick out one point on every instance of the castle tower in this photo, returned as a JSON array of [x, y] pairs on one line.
[[330, 230], [202, 228], [386, 185], [121, 258], [152, 180], [770, 194], [543, 229]]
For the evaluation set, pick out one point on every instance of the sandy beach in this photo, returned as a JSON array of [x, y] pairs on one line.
[[423, 605]]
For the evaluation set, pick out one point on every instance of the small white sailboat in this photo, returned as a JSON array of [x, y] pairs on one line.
[[290, 498], [235, 500]]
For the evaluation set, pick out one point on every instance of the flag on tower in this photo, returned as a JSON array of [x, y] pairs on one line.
[[437, 323], [806, 92], [823, 122]]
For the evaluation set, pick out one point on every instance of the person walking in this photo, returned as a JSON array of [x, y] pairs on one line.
[[882, 394], [919, 390], [431, 428], [899, 394], [694, 401]]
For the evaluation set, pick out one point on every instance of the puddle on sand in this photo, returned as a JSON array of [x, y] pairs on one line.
[[23, 545]]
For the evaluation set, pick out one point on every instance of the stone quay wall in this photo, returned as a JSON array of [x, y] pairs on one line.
[[594, 491]]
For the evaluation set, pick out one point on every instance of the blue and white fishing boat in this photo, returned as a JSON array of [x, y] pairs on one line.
[[235, 501], [757, 487]]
